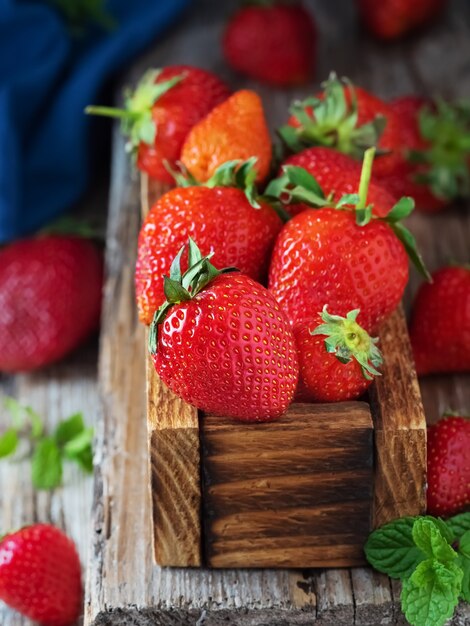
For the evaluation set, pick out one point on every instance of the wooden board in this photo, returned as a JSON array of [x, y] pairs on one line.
[[124, 587]]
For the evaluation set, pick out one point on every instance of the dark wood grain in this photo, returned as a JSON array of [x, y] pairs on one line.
[[296, 492], [400, 429]]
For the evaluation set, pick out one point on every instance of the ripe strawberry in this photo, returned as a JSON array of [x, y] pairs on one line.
[[337, 174], [222, 343], [271, 41], [342, 256], [348, 119], [337, 359], [448, 466], [50, 299], [162, 109], [390, 19], [40, 575], [440, 323], [224, 219], [236, 129]]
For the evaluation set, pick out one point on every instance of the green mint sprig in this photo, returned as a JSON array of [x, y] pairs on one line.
[[71, 440], [432, 559]]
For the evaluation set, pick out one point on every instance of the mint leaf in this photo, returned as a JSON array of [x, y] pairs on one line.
[[37, 427], [459, 524], [46, 464], [8, 442], [69, 429], [79, 443], [428, 538], [430, 595], [464, 544], [16, 411], [391, 549], [85, 459]]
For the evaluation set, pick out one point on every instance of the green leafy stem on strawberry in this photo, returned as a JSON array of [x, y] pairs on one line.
[[136, 115], [71, 440], [332, 121], [346, 339], [432, 559], [298, 185], [179, 287]]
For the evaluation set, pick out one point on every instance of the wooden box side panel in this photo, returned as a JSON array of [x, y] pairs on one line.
[[400, 428], [293, 493]]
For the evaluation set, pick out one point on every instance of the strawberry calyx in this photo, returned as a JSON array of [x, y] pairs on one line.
[[445, 162], [180, 287], [347, 340], [136, 118], [297, 185], [331, 121]]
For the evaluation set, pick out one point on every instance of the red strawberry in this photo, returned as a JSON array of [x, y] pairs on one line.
[[40, 575], [161, 111], [348, 119], [343, 257], [337, 359], [50, 299], [440, 323], [337, 174], [272, 41], [449, 466], [389, 19], [222, 343], [220, 218]]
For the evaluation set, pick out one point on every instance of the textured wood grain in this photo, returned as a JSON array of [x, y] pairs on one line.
[[124, 587], [400, 429], [296, 492]]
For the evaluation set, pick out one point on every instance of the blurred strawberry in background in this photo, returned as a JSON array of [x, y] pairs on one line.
[[50, 299], [273, 41], [390, 19]]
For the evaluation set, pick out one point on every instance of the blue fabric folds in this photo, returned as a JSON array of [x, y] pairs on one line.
[[47, 77]]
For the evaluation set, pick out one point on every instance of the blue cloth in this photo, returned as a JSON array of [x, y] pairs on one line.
[[47, 77]]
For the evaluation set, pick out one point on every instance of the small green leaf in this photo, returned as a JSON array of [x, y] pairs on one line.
[[85, 459], [428, 539], [348, 199], [81, 441], [409, 243], [8, 443], [37, 426], [459, 524], [46, 464], [464, 544], [175, 269], [391, 549], [69, 429], [402, 209], [16, 412], [290, 138], [174, 291], [464, 563], [299, 177], [194, 254], [430, 595]]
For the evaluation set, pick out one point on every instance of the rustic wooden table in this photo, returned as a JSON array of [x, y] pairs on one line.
[[123, 584]]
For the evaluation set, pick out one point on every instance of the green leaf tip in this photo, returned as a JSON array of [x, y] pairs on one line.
[[347, 340], [184, 287], [332, 121]]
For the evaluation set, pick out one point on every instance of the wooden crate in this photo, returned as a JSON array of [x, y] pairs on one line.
[[303, 491]]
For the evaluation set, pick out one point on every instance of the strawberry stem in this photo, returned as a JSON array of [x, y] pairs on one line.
[[110, 112], [366, 174]]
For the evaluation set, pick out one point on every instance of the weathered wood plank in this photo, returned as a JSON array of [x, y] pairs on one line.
[[400, 429]]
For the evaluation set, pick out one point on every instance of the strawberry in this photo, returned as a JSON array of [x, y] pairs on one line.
[[448, 466], [159, 113], [228, 220], [272, 41], [337, 359], [40, 575], [50, 299], [236, 129], [425, 150], [342, 256], [390, 19], [348, 119], [222, 343], [440, 322], [337, 174]]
